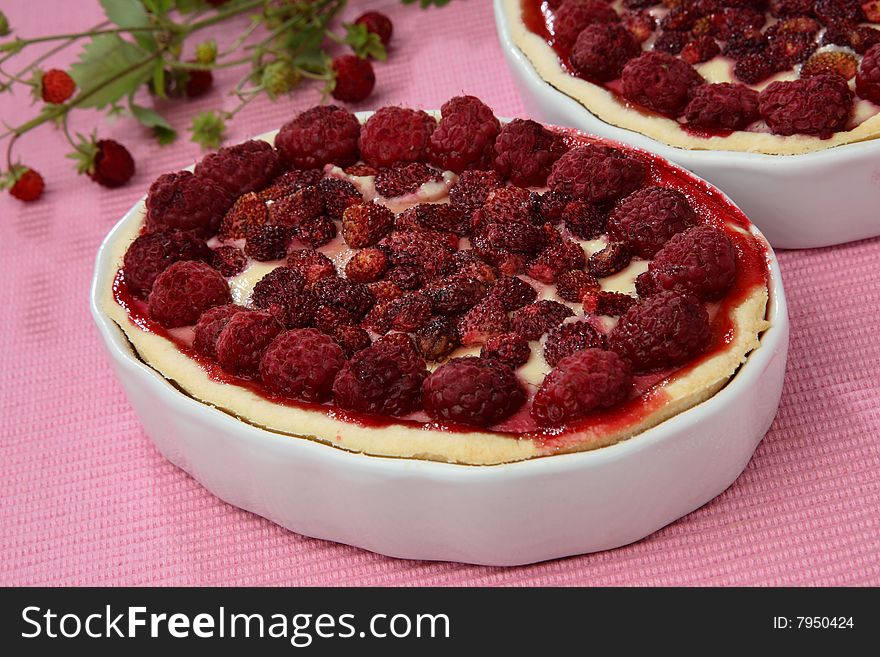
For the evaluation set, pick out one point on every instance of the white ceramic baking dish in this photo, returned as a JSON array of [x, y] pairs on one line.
[[798, 201]]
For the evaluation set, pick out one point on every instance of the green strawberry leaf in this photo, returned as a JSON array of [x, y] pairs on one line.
[[131, 13], [363, 42], [163, 131], [108, 59]]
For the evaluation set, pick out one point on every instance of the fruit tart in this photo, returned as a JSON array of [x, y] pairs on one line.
[[777, 77], [440, 286]]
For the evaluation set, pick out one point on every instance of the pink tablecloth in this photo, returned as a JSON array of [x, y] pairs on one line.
[[87, 499]]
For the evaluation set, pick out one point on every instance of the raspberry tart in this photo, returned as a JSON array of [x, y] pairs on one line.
[[444, 287], [779, 77]]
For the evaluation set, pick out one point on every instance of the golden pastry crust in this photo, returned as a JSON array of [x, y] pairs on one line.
[[606, 106]]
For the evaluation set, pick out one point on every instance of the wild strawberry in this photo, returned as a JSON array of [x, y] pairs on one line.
[[354, 78], [839, 63], [378, 24], [290, 211], [364, 224], [513, 292], [454, 294], [613, 258], [568, 338], [573, 285], [406, 276], [512, 349], [291, 181], [338, 195], [437, 339], [539, 317], [352, 339], [229, 261], [472, 188], [366, 266], [485, 320], [267, 243], [24, 183], [56, 86], [311, 265], [353, 297], [558, 258], [583, 219], [701, 49], [316, 232], [601, 302], [105, 161], [404, 179]]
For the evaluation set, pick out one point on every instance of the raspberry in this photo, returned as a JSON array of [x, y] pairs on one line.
[[406, 276], [353, 297], [472, 188], [187, 202], [454, 294], [700, 261], [243, 340], [354, 78], [701, 49], [437, 339], [352, 339], [265, 243], [575, 15], [378, 24], [209, 326], [311, 265], [302, 364], [338, 195], [646, 219], [485, 320], [435, 216], [185, 290], [722, 106], [396, 134], [410, 312], [28, 186], [525, 151], [325, 134], [670, 42], [820, 105], [510, 348], [305, 203], [149, 255], [229, 261], [404, 179], [664, 330], [569, 338], [465, 137], [612, 304], [422, 249], [583, 219], [291, 181], [574, 284], [839, 63], [473, 391], [56, 86], [832, 12], [364, 224], [640, 24], [586, 381], [113, 165], [241, 168], [384, 291], [366, 266], [868, 77], [278, 286], [385, 378], [556, 259], [597, 174], [513, 292], [539, 317], [659, 82], [549, 206]]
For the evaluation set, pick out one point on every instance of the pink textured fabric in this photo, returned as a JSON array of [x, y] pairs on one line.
[[87, 499]]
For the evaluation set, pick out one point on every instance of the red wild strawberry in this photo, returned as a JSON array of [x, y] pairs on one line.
[[353, 297], [437, 339], [378, 24], [472, 188], [539, 317], [573, 285], [549, 206], [149, 255], [839, 63], [243, 340], [474, 391], [569, 338], [110, 164], [302, 364], [640, 24], [423, 249], [311, 265], [485, 320], [366, 266], [583, 219], [291, 181], [25, 184], [384, 291], [558, 258], [512, 349], [364, 224], [406, 276], [352, 339], [321, 135], [354, 78], [305, 203], [435, 216], [612, 304], [404, 179], [701, 49], [409, 312], [249, 211], [513, 292], [56, 86], [664, 330], [396, 134], [185, 290], [279, 286], [265, 243], [670, 42], [229, 261], [586, 381], [525, 151], [454, 294], [465, 137], [338, 195], [316, 232], [613, 258], [385, 378]]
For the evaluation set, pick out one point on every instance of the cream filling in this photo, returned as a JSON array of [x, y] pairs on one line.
[[607, 107]]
